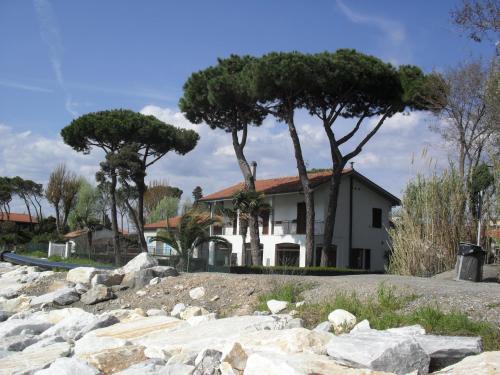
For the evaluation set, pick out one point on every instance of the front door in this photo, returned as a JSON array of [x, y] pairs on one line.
[[301, 218]]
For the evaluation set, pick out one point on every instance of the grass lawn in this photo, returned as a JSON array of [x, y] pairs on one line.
[[386, 310], [55, 258]]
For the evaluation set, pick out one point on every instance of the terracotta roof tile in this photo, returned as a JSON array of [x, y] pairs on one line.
[[18, 218], [172, 223], [289, 184]]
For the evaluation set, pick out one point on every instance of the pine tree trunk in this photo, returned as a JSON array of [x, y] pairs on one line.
[[114, 220], [331, 213], [308, 193], [249, 185], [140, 217]]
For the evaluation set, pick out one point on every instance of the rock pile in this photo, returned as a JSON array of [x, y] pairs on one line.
[[191, 340]]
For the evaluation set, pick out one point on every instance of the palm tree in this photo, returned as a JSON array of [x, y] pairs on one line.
[[249, 203], [192, 231]]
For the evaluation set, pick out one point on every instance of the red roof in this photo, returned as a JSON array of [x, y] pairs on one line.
[[493, 233], [18, 218], [289, 184], [292, 184], [169, 223]]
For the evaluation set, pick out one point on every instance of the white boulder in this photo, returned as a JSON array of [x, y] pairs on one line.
[[73, 328], [362, 326], [197, 293], [191, 311], [487, 363], [276, 306], [69, 366], [140, 262], [61, 297], [378, 350], [29, 361], [341, 320], [82, 275], [234, 354], [178, 308]]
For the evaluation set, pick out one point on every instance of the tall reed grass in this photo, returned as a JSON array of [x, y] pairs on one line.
[[429, 225]]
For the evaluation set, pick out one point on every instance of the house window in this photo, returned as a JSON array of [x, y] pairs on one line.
[[376, 218]]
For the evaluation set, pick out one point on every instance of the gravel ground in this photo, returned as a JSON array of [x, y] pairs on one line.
[[230, 294]]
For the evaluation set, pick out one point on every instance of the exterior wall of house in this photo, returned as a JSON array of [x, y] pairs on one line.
[[155, 247], [283, 225]]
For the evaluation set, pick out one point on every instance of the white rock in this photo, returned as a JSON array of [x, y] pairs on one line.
[[69, 366], [29, 361], [156, 312], [73, 328], [362, 326], [141, 293], [149, 367], [379, 350], [214, 334], [226, 369], [214, 298], [17, 343], [120, 333], [342, 320], [81, 288], [323, 327], [82, 275], [197, 293], [107, 279], [271, 363], [61, 297], [14, 305], [300, 304], [178, 308], [234, 354], [207, 362], [14, 327], [195, 320], [447, 350], [154, 281], [42, 343], [126, 315], [177, 369], [276, 306], [88, 345], [110, 361], [295, 340], [140, 262], [191, 311], [416, 329], [55, 316], [487, 363]]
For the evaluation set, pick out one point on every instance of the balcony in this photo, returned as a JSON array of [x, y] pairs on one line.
[[278, 228], [290, 227]]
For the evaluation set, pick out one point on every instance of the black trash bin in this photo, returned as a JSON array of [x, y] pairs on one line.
[[470, 259]]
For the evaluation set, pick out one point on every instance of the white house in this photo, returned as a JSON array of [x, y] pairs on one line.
[[360, 235], [159, 248]]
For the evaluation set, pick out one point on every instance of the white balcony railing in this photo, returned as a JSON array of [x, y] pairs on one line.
[[280, 227]]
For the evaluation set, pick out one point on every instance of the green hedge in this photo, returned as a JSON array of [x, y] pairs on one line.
[[306, 271]]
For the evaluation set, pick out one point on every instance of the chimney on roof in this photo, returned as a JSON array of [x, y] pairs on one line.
[[254, 170], [352, 165]]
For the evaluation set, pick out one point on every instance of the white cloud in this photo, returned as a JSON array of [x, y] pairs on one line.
[[22, 86], [51, 37], [393, 44], [392, 29]]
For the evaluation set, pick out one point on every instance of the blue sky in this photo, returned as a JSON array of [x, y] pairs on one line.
[[60, 59]]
